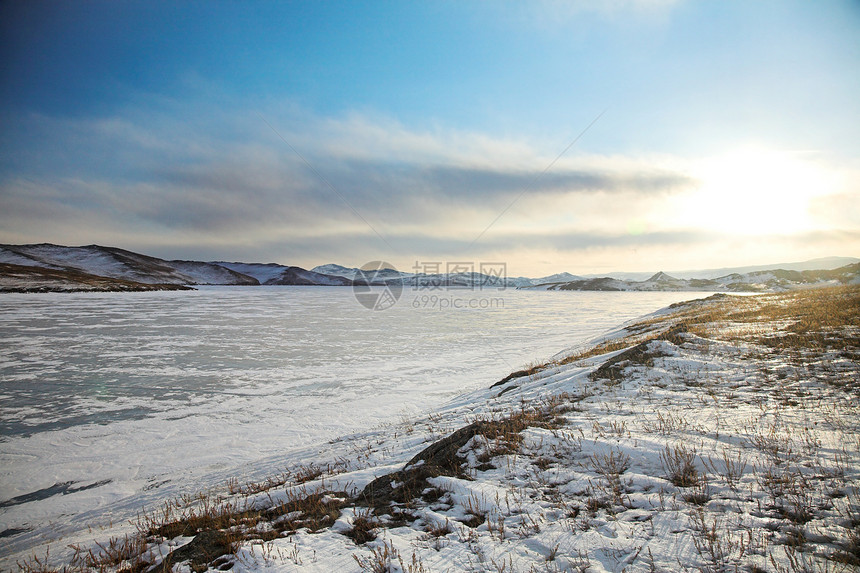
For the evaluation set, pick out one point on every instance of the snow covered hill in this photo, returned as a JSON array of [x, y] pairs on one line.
[[122, 265], [117, 263], [275, 274], [336, 270], [556, 278]]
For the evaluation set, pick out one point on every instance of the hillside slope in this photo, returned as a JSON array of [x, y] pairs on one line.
[[115, 263]]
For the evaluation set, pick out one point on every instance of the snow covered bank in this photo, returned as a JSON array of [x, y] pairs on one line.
[[716, 435]]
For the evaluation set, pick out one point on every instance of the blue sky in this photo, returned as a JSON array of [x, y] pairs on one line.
[[728, 133]]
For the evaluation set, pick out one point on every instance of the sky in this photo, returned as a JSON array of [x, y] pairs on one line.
[[588, 137]]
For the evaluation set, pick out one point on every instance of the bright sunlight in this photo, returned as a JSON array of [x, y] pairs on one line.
[[755, 192]]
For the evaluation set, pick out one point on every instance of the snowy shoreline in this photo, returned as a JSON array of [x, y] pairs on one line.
[[708, 435]]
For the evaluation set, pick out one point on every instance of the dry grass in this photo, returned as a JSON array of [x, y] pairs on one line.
[[814, 319], [128, 553], [290, 477], [364, 527], [680, 465], [218, 529], [818, 319], [732, 468], [385, 558], [610, 492]]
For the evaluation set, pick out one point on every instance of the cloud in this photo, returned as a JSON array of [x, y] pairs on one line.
[[219, 183], [236, 176]]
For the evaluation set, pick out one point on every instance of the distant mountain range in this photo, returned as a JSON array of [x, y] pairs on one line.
[[825, 263], [754, 281], [47, 267], [457, 280]]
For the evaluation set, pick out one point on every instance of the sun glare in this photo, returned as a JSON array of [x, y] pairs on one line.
[[755, 192]]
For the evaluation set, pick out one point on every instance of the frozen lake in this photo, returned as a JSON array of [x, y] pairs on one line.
[[145, 395]]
